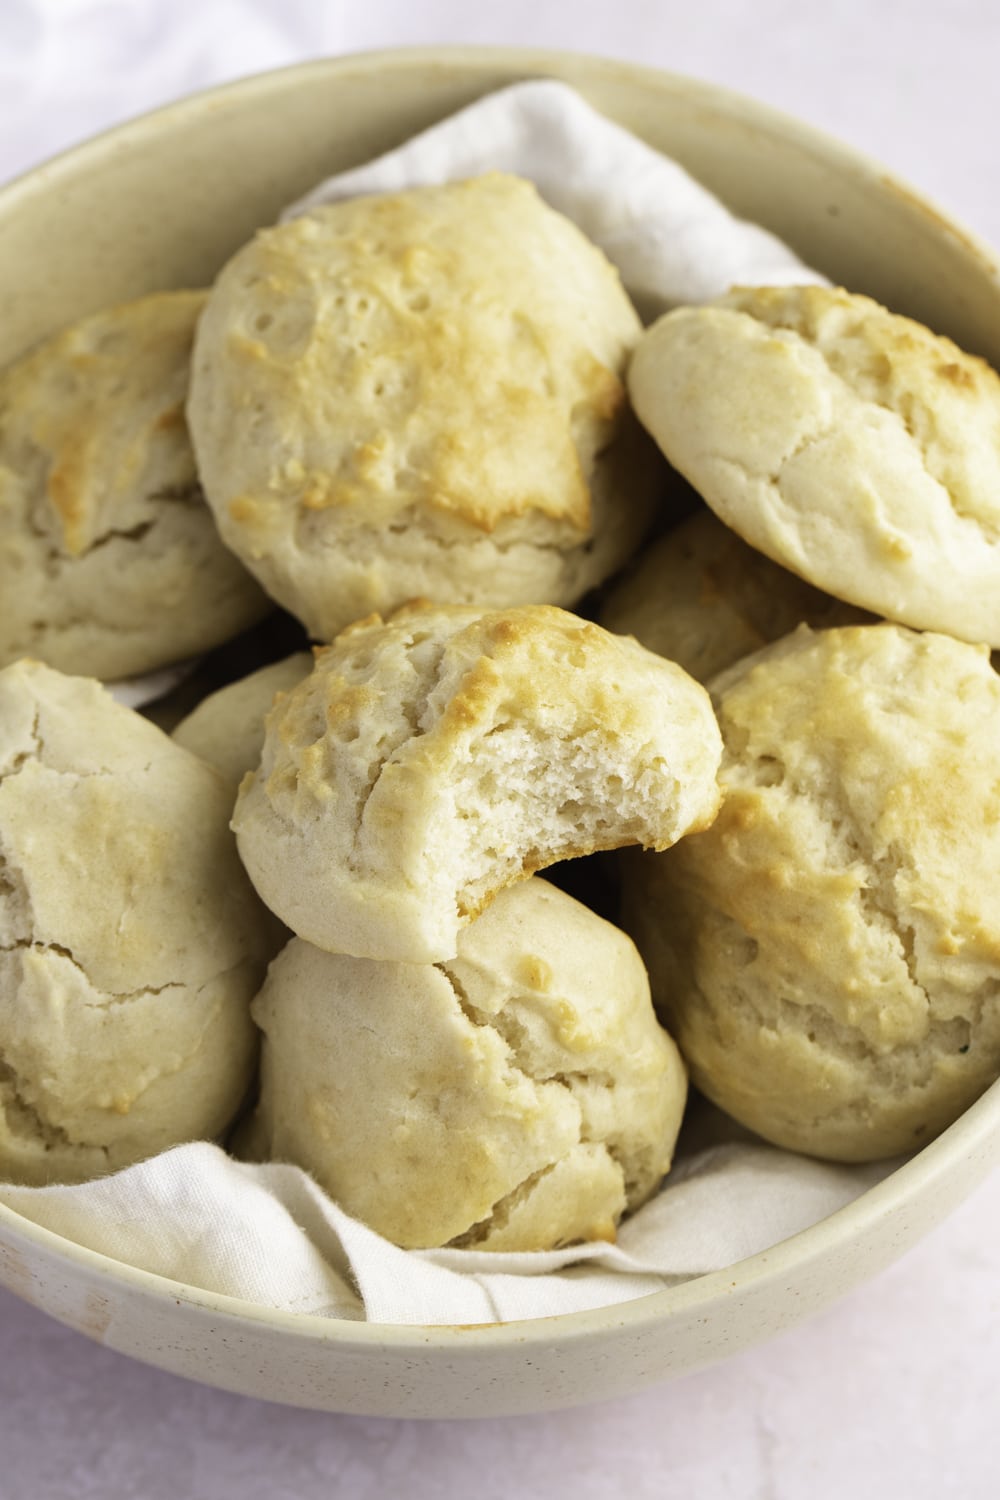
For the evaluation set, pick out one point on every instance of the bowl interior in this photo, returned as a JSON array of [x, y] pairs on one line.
[[163, 202]]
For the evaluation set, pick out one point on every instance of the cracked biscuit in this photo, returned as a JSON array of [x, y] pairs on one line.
[[701, 597], [422, 395], [850, 445], [431, 759], [131, 942], [518, 1097], [110, 561], [828, 953]]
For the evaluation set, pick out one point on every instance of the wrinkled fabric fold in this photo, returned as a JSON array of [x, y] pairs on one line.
[[672, 241], [269, 1235]]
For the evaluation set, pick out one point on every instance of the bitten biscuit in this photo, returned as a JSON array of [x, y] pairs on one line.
[[828, 953], [701, 597], [421, 395], [110, 562], [519, 1097], [432, 759], [227, 727], [848, 444], [131, 943]]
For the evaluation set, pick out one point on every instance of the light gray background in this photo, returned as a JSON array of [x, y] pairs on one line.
[[894, 1390]]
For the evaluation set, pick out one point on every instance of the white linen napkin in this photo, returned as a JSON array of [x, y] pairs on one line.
[[267, 1233], [672, 241], [134, 692]]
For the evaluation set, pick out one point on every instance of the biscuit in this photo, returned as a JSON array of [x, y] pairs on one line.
[[828, 953], [110, 561], [421, 395], [227, 728], [432, 759], [519, 1097], [131, 942], [850, 445], [701, 597]]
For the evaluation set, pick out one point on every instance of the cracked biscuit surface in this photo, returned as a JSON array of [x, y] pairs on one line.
[[431, 759], [828, 953], [518, 1097], [849, 444], [110, 561], [131, 942], [422, 395]]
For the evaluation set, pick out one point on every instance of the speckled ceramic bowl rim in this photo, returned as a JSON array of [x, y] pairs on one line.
[[974, 1134], [976, 1130], [532, 62]]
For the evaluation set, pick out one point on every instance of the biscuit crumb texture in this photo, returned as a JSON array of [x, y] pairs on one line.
[[704, 599], [828, 953], [519, 1097], [227, 727], [849, 444], [111, 561], [131, 942], [432, 759], [422, 395]]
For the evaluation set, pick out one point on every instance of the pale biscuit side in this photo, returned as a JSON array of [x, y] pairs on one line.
[[520, 1097], [227, 727], [702, 598], [111, 560], [130, 940]]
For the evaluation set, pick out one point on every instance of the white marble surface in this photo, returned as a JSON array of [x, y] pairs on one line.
[[893, 1390]]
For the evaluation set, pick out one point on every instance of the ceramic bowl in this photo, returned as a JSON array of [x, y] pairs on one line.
[[163, 202]]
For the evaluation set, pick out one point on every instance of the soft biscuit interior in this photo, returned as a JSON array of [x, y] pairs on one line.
[[430, 760]]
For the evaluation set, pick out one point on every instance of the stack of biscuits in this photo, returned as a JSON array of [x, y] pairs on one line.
[[426, 426]]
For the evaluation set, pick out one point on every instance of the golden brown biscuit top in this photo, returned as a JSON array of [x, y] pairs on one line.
[[96, 415], [828, 953], [458, 347], [889, 740]]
